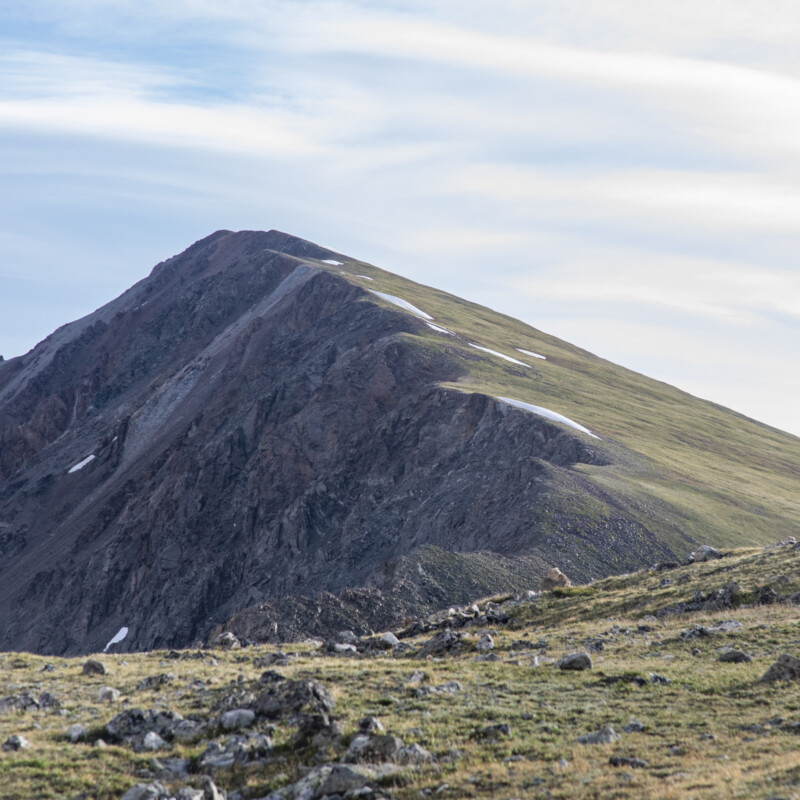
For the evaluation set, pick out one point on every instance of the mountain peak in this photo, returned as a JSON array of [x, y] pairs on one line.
[[263, 419]]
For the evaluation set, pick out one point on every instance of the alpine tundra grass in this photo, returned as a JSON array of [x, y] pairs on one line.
[[688, 723]]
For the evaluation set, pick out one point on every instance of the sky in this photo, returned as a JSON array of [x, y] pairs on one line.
[[623, 174]]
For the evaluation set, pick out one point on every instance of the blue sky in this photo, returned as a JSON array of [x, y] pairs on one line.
[[625, 175]]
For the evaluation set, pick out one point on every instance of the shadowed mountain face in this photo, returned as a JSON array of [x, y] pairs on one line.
[[250, 426]]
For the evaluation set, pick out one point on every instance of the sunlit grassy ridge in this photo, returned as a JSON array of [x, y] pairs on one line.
[[708, 729], [714, 474]]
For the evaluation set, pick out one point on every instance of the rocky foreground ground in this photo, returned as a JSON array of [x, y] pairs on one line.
[[679, 681]]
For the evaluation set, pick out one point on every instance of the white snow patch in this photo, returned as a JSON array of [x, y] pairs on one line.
[[331, 262], [529, 353], [118, 637], [499, 355], [438, 329], [405, 305], [81, 464], [546, 412], [365, 277]]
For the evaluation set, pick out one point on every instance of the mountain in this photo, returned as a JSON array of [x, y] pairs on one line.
[[269, 434]]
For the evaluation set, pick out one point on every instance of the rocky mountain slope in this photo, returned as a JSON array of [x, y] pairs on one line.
[[669, 683], [261, 420]]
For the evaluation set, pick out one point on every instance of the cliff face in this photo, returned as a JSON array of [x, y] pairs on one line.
[[249, 427]]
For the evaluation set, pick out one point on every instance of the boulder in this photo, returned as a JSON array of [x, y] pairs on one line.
[[152, 741], [14, 743], [226, 641], [76, 733], [732, 656], [605, 735], [555, 579], [107, 694], [154, 682], [445, 641], [286, 697], [485, 643], [94, 668], [786, 668], [237, 718], [575, 661]]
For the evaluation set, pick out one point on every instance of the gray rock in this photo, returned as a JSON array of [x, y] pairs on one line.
[[706, 553], [237, 718], [345, 649], [107, 694], [18, 702], [188, 793], [603, 736], [626, 761], [414, 754], [634, 726], [152, 741], [493, 732], [417, 677], [485, 643], [347, 637], [146, 791], [389, 639], [378, 748], [371, 725], [445, 641], [340, 780], [100, 744], [732, 656], [226, 641], [154, 682], [14, 743], [94, 668], [786, 668], [47, 700], [318, 730], [76, 733], [555, 579], [575, 661], [293, 696]]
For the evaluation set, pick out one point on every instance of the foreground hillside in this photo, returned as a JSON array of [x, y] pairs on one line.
[[262, 420], [474, 703]]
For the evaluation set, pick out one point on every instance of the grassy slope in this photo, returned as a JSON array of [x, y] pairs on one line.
[[715, 475], [711, 732]]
